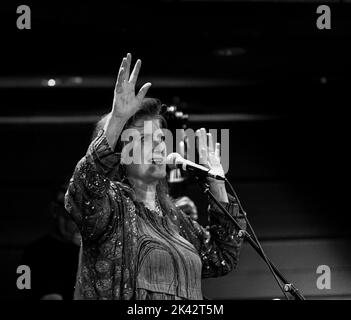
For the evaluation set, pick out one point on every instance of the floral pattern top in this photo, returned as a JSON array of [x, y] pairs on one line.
[[107, 216]]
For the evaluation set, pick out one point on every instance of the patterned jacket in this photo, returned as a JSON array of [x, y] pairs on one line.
[[105, 213]]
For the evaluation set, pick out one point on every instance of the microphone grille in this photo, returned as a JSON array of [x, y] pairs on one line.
[[172, 158]]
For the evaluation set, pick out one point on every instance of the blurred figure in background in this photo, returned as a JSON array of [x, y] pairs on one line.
[[187, 206], [53, 258]]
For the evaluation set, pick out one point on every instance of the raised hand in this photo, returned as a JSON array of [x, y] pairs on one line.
[[209, 155], [125, 102]]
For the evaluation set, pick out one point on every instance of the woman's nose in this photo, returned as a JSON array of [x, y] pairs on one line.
[[158, 144]]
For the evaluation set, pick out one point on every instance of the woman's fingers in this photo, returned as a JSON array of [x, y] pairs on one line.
[[182, 149], [218, 150], [203, 156], [118, 87], [197, 141], [126, 102], [122, 63], [134, 76], [142, 92], [202, 145], [200, 140], [204, 137], [124, 67], [121, 76], [187, 147], [129, 61], [210, 142]]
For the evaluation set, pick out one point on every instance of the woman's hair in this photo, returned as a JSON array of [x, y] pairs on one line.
[[150, 108]]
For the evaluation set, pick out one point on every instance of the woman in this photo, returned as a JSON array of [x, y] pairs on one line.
[[136, 244]]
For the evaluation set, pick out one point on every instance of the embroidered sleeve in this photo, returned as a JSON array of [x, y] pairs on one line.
[[90, 198], [219, 246]]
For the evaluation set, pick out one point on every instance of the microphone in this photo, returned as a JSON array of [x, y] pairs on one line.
[[175, 159]]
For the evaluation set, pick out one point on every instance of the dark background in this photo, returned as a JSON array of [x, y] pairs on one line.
[[261, 69]]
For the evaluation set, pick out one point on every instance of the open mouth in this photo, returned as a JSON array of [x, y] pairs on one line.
[[157, 160]]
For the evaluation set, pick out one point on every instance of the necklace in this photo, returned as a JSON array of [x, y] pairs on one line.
[[158, 209]]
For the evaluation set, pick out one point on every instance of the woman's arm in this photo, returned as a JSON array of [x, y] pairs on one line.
[[219, 247], [220, 254], [90, 197]]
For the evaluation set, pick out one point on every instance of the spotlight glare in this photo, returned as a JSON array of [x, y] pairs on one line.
[[51, 82]]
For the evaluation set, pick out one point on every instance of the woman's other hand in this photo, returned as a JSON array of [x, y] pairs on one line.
[[209, 156]]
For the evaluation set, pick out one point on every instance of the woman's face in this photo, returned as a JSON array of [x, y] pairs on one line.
[[149, 147]]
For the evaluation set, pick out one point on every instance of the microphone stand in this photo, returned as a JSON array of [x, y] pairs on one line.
[[288, 286]]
